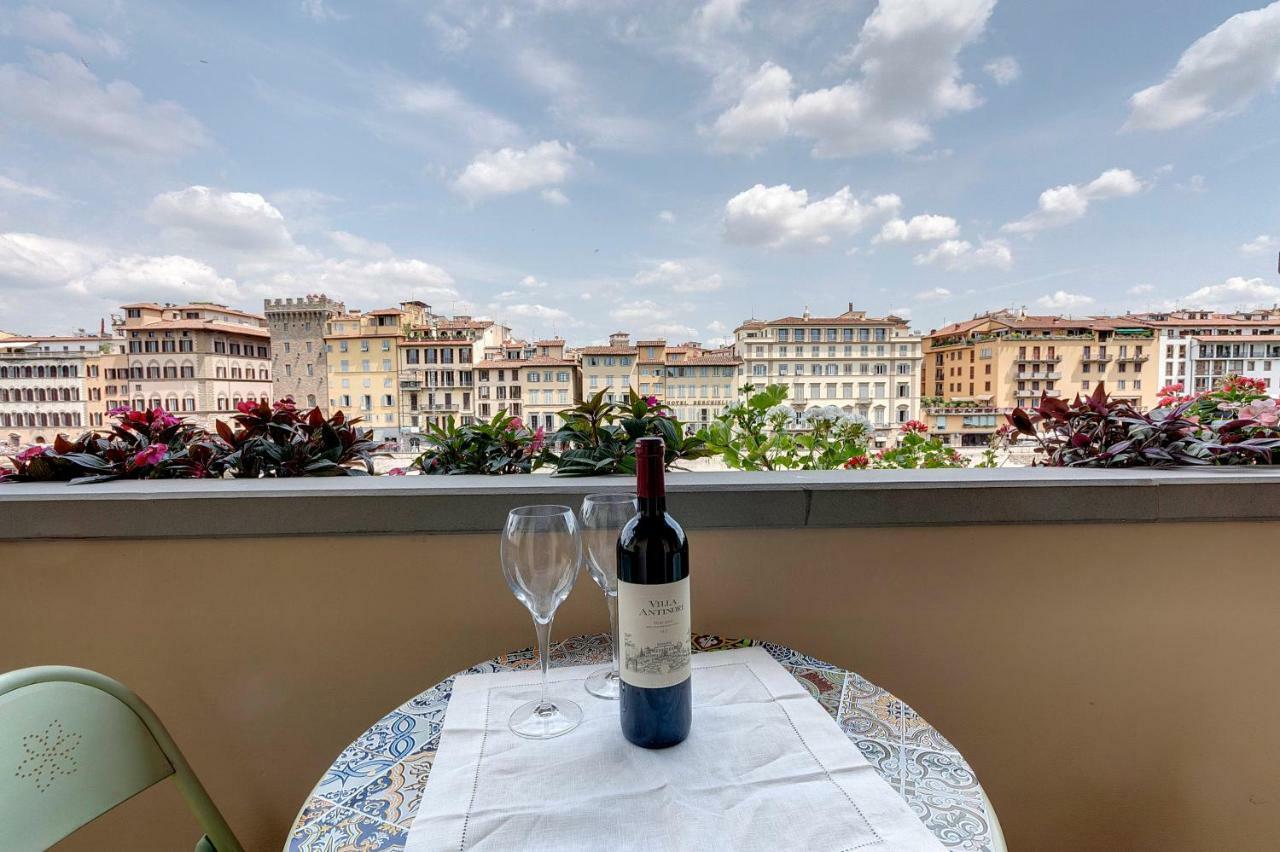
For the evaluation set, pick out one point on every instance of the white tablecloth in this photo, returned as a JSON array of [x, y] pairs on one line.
[[764, 769]]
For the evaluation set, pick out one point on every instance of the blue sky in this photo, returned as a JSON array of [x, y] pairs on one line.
[[579, 166]]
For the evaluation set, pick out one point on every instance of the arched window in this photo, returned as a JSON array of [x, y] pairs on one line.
[[4, 372], [155, 402], [220, 372], [40, 395], [153, 370], [188, 403], [170, 370], [4, 395], [40, 372], [26, 372], [171, 404], [188, 371], [42, 419], [222, 404]]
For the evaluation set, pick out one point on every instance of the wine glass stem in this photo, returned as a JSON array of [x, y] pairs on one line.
[[544, 654], [612, 601]]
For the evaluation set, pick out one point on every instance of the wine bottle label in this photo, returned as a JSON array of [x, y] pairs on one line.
[[653, 620]]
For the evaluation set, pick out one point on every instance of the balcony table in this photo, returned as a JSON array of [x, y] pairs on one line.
[[369, 796]]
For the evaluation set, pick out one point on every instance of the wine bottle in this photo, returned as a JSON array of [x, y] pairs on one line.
[[653, 613]]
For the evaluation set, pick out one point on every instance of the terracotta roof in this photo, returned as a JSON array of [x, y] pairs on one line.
[[499, 364], [554, 341], [1223, 338], [143, 305], [210, 306], [713, 359], [202, 325], [846, 318], [386, 312], [606, 350], [542, 361], [658, 342]]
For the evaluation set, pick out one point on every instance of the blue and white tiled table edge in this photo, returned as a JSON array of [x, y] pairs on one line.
[[367, 799]]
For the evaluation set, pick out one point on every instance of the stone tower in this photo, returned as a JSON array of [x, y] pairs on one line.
[[298, 360]]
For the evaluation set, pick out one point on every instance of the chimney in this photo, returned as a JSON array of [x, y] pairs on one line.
[[806, 312], [851, 307]]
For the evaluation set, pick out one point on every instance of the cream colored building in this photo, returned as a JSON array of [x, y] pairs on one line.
[[498, 385], [701, 384], [860, 364], [549, 382], [437, 369], [612, 369], [198, 360], [53, 385]]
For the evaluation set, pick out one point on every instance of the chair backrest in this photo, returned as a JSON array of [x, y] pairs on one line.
[[73, 745]]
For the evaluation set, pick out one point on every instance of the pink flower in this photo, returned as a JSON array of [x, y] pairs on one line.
[[515, 423], [651, 401], [162, 417], [118, 411], [286, 404], [153, 454], [539, 440], [1264, 411], [856, 462], [396, 471], [913, 426], [32, 452], [247, 407]]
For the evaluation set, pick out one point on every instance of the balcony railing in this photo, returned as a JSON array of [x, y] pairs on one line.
[[1040, 376], [1135, 359], [1095, 359], [367, 562], [1036, 359]]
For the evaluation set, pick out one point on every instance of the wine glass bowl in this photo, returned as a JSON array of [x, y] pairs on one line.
[[541, 551], [603, 517]]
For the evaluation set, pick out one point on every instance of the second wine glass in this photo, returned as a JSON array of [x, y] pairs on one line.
[[603, 517]]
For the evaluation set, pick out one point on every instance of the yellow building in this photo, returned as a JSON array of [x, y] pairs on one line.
[[363, 355], [976, 370]]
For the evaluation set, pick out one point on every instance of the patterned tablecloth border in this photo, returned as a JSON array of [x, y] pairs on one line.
[[367, 799]]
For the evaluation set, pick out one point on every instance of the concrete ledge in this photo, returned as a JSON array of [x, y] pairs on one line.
[[468, 504]]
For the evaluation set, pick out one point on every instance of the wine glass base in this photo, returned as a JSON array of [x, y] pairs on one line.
[[538, 721], [604, 684]]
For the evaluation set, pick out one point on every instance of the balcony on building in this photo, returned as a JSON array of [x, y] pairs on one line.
[[1045, 621]]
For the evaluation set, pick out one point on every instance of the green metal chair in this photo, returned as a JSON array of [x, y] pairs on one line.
[[73, 745]]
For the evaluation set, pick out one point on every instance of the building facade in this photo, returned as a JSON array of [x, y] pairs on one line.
[[1197, 349], [363, 353], [299, 360], [549, 381], [54, 385], [611, 369], [437, 370], [199, 360], [860, 364], [701, 384]]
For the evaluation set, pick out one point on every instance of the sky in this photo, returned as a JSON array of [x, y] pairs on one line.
[[576, 167]]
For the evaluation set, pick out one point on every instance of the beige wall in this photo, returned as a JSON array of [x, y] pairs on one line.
[[1115, 694]]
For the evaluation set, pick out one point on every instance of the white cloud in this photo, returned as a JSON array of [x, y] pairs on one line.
[[926, 227], [575, 104], [679, 277], [903, 312], [169, 278], [936, 294], [1064, 301], [1195, 183], [382, 281], [1235, 293], [349, 243], [239, 221], [1062, 205], [1259, 245], [539, 312], [1217, 76], [443, 104], [50, 26], [961, 255], [554, 196], [64, 97], [639, 311], [720, 16], [906, 53], [717, 327], [666, 216], [778, 216], [31, 260], [1141, 289], [16, 187], [531, 283], [762, 114], [1004, 70], [511, 170], [319, 10]]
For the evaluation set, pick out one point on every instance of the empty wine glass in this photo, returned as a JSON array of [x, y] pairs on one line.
[[603, 517], [541, 552]]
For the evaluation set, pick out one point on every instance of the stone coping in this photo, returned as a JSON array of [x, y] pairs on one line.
[[475, 504]]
